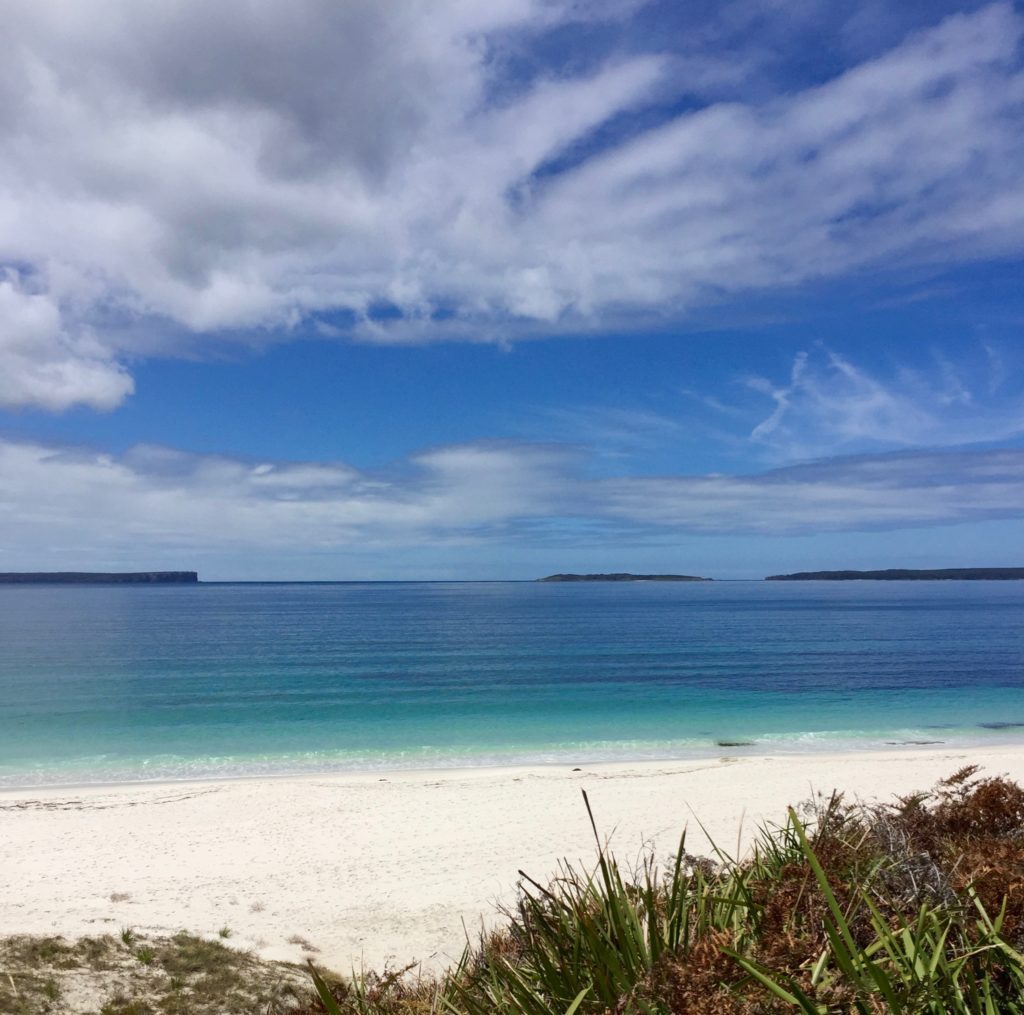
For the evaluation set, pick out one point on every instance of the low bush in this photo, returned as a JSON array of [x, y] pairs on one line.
[[915, 908]]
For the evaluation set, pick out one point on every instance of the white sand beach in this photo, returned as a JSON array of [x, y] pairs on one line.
[[386, 868]]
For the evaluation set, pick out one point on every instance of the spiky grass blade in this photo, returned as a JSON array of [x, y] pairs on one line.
[[324, 992]]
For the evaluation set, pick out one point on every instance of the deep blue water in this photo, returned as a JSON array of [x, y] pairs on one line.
[[135, 682]]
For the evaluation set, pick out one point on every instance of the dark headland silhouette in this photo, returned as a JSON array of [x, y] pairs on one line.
[[907, 574], [622, 577], [99, 578]]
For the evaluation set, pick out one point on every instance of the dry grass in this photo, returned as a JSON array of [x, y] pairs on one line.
[[142, 975]]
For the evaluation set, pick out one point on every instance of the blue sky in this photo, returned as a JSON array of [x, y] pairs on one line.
[[460, 290]]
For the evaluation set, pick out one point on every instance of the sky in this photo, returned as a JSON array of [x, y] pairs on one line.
[[451, 289]]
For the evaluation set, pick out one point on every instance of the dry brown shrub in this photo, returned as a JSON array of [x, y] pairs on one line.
[[962, 807], [994, 869], [393, 992], [706, 982], [993, 807], [972, 831], [792, 909]]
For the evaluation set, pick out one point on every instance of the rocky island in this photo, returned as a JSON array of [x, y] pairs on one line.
[[623, 577], [907, 574], [99, 578]]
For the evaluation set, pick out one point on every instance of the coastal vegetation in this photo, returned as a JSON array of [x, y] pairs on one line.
[[910, 908], [99, 577], [623, 577], [907, 574], [843, 907], [138, 974]]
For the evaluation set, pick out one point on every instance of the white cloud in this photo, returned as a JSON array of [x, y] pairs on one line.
[[184, 167], [887, 492], [158, 496], [41, 364], [834, 406], [86, 509], [605, 430]]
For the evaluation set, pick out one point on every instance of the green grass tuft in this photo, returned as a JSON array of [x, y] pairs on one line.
[[914, 909]]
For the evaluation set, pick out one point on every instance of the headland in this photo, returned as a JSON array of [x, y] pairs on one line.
[[623, 577], [99, 577], [907, 574]]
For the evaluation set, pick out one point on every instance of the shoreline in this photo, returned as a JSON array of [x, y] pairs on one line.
[[632, 768], [386, 868], [784, 747]]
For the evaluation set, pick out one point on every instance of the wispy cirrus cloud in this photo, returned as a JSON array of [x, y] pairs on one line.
[[604, 430], [180, 173], [868, 492], [832, 405]]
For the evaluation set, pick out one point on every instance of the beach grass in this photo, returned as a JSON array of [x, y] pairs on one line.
[[914, 908], [136, 974]]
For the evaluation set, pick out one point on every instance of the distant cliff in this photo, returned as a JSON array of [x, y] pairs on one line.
[[906, 574], [99, 578], [622, 577]]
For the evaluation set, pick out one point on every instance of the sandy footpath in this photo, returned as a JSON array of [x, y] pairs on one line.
[[388, 867]]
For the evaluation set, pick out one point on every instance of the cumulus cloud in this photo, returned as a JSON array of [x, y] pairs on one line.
[[151, 502], [42, 364], [172, 171]]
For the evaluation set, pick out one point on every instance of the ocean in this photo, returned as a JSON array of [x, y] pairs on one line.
[[106, 684]]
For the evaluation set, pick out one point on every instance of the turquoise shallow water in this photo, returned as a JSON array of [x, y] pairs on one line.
[[120, 683]]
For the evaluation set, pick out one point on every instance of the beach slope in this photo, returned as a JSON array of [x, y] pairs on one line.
[[389, 867]]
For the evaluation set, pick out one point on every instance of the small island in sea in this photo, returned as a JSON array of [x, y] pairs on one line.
[[907, 574], [623, 577], [99, 577]]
